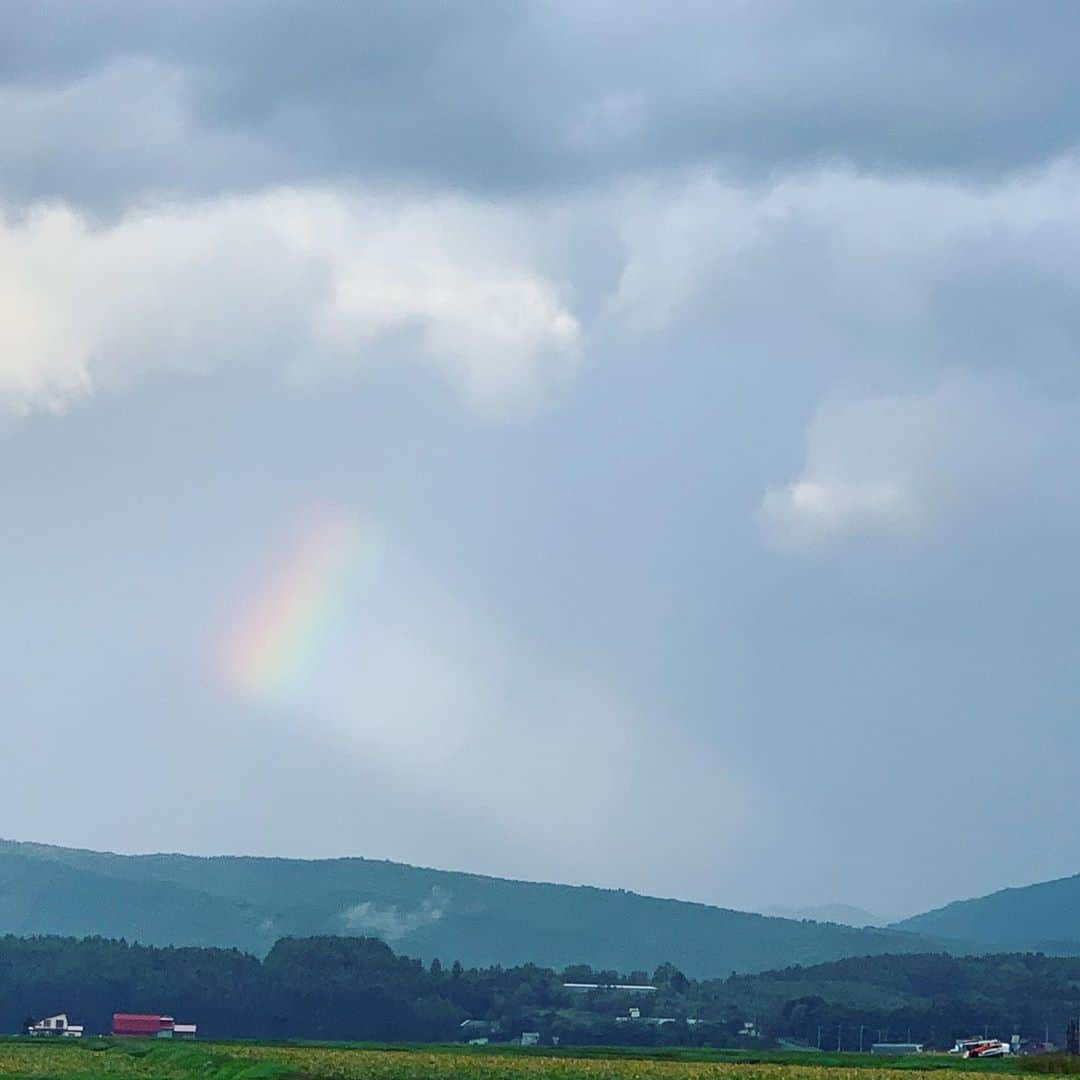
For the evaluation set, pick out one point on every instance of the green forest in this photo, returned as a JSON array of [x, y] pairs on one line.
[[358, 989]]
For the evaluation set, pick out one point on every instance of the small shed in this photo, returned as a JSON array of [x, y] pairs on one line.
[[896, 1048]]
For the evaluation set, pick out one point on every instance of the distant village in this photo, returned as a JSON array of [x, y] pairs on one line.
[[124, 1025], [478, 1032]]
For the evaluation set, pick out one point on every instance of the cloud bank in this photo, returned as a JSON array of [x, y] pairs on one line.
[[197, 99]]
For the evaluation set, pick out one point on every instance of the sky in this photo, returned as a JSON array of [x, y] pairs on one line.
[[587, 441]]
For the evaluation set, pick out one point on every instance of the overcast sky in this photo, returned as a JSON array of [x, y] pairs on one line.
[[594, 441]]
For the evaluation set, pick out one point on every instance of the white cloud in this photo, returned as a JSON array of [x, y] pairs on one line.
[[305, 283], [858, 278], [810, 512], [391, 923], [908, 467]]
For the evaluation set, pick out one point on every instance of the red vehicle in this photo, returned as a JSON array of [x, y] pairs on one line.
[[980, 1048]]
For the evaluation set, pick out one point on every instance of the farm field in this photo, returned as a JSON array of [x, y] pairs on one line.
[[108, 1060]]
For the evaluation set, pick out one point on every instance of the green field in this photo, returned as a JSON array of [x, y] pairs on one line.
[[105, 1059]]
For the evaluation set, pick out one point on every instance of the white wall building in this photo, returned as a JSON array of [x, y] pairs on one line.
[[56, 1025]]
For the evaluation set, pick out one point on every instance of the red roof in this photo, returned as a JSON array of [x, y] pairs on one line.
[[140, 1023]]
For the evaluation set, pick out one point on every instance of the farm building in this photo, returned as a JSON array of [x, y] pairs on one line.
[[150, 1026], [896, 1048], [55, 1025]]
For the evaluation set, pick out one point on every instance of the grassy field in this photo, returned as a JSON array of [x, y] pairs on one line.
[[103, 1059]]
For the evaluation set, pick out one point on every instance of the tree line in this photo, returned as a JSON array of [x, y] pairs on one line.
[[359, 989]]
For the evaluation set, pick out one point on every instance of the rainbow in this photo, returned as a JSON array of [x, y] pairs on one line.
[[272, 650]]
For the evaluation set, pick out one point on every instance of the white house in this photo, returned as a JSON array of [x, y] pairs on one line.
[[56, 1025]]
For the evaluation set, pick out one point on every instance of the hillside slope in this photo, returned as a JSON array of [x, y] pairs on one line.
[[935, 998], [1043, 918], [250, 902]]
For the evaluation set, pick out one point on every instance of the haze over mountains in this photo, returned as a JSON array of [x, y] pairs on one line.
[[252, 902], [845, 914]]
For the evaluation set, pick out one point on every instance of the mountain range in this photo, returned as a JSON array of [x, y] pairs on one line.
[[250, 903], [1033, 918]]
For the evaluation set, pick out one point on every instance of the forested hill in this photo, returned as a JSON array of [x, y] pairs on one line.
[[1042, 918], [934, 998], [357, 988], [249, 903]]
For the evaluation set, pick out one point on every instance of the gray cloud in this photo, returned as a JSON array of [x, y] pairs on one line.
[[112, 103]]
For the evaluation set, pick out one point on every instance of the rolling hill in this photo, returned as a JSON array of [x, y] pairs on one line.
[[1040, 918], [250, 903], [935, 998]]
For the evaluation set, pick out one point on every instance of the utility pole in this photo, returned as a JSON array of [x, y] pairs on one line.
[[819, 1036], [838, 1027], [862, 1028], [1072, 1037]]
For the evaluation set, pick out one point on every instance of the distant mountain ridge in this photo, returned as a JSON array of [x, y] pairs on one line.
[[249, 903], [1044, 917], [844, 914]]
